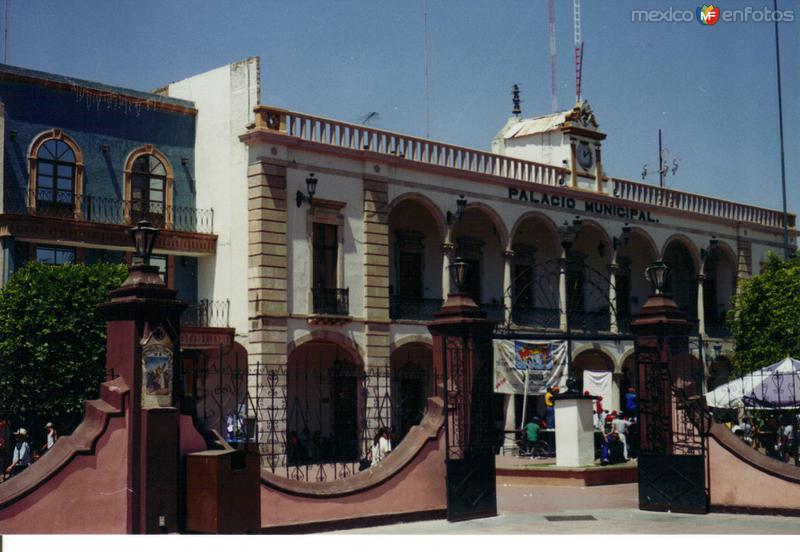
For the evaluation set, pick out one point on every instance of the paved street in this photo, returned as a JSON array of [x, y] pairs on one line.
[[524, 509]]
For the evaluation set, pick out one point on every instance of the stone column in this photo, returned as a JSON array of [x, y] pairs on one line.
[[508, 255], [510, 421], [376, 304], [447, 258], [701, 311], [598, 168], [562, 291], [268, 267], [612, 295]]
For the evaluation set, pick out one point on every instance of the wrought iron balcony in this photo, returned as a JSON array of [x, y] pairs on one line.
[[331, 301], [402, 308], [66, 205], [590, 321], [207, 314], [537, 317]]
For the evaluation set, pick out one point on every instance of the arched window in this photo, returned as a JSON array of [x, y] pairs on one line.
[[148, 187], [56, 174], [148, 184]]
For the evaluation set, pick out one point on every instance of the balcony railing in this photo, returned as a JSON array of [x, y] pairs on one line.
[[356, 137], [589, 321], [537, 317], [65, 205], [207, 314], [331, 301], [401, 308]]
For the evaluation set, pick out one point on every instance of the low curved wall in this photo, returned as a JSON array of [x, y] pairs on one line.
[[743, 479], [408, 482], [80, 485]]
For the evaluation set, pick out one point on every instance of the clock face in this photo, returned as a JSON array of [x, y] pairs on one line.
[[585, 155]]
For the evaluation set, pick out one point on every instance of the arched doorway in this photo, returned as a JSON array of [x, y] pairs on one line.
[[682, 277], [325, 404], [719, 287], [594, 371], [412, 384], [415, 255]]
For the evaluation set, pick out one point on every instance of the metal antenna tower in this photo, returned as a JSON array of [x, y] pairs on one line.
[[576, 14], [551, 31]]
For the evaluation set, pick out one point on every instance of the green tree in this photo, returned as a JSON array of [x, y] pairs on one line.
[[765, 318], [53, 342]]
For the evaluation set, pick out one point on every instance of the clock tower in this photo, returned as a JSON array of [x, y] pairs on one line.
[[569, 139]]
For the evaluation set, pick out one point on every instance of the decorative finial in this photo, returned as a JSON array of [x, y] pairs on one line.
[[517, 109]]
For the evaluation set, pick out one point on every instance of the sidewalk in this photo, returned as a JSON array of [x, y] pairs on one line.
[[525, 509]]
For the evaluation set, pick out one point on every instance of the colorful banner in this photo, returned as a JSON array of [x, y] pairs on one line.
[[543, 362]]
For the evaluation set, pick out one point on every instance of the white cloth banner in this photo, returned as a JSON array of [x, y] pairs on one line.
[[543, 362], [598, 383]]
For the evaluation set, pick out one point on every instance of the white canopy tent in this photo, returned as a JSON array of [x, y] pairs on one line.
[[774, 387]]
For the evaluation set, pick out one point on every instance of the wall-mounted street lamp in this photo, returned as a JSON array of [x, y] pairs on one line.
[[657, 276], [568, 232], [624, 238], [144, 238], [311, 189], [713, 243], [461, 205], [565, 166], [458, 271], [717, 351]]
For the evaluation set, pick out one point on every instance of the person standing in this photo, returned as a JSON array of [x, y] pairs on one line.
[[550, 408], [51, 436], [381, 446], [620, 425], [532, 432], [21, 457]]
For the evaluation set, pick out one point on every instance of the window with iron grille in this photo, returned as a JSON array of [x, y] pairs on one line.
[[55, 175]]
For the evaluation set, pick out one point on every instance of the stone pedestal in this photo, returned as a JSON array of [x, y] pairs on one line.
[[574, 430]]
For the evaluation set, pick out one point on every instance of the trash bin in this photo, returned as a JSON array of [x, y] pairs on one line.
[[223, 492]]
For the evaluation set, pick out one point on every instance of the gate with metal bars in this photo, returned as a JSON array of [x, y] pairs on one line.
[[673, 462]]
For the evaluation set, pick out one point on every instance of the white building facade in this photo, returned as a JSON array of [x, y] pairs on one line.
[[355, 274]]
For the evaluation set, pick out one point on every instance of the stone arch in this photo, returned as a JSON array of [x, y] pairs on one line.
[[149, 149], [33, 150], [694, 252], [497, 221], [533, 215], [645, 235], [417, 339], [588, 223], [430, 206], [350, 346]]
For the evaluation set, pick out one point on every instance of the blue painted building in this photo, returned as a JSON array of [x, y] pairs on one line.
[[82, 162]]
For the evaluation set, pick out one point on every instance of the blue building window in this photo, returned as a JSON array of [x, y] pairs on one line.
[[55, 255], [148, 188], [55, 178]]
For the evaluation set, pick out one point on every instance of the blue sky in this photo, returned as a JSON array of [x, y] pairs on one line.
[[711, 89]]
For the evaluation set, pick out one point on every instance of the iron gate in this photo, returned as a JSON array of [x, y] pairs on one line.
[[673, 463], [469, 430]]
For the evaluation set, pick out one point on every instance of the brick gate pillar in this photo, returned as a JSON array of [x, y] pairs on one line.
[[661, 331], [143, 346]]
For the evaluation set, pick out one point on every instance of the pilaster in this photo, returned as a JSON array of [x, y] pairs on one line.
[[376, 246]]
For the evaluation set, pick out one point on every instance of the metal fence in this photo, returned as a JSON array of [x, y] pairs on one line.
[[310, 422]]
